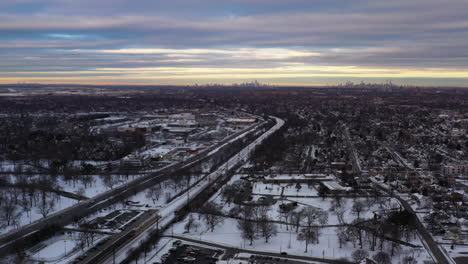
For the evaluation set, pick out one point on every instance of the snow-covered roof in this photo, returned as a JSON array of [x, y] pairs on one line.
[[333, 185]]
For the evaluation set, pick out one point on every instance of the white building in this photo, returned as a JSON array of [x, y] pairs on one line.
[[453, 170]]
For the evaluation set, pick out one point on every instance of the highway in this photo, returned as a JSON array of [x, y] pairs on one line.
[[15, 238], [168, 212]]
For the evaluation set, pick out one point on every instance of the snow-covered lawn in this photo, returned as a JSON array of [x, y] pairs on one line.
[[60, 249], [305, 190], [324, 204], [266, 189], [457, 251], [27, 217], [95, 186], [56, 250], [144, 199], [227, 234], [284, 189]]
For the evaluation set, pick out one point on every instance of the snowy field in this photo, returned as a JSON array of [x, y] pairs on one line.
[[56, 250], [61, 249], [457, 251], [96, 184], [227, 234], [326, 204], [284, 189], [35, 212], [304, 190], [267, 189], [301, 176], [168, 191]]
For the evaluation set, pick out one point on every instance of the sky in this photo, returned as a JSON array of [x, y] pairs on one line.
[[282, 42]]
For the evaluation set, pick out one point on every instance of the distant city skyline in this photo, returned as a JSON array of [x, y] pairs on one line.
[[179, 42]]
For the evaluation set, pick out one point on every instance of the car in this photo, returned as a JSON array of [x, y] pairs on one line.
[[284, 253], [164, 256], [176, 243], [189, 259], [192, 249]]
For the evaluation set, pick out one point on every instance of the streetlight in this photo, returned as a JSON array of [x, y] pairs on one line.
[[65, 241]]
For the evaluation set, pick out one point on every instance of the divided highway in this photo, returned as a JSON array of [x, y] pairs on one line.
[[9, 241], [168, 212]]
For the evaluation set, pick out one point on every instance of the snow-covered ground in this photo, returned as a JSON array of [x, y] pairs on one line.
[[62, 249], [227, 234], [266, 189], [168, 211], [324, 204], [27, 217], [168, 191], [284, 189], [304, 190], [457, 251], [161, 248], [56, 250], [96, 185]]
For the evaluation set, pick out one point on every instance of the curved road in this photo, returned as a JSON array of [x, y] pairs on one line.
[[167, 213]]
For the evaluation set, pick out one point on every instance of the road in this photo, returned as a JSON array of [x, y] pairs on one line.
[[168, 212], [438, 254], [19, 236], [235, 250], [350, 145], [430, 244]]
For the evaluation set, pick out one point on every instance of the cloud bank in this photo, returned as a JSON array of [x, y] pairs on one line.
[[182, 42]]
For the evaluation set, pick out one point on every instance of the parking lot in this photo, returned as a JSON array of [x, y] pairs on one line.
[[181, 253], [259, 259]]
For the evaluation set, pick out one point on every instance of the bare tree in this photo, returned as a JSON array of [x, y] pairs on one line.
[[230, 191], [268, 228], [382, 258], [340, 215], [109, 180], [337, 201], [342, 236], [357, 208], [153, 193], [191, 223], [409, 260], [296, 218], [167, 197], [247, 228], [259, 212], [313, 217], [46, 206], [212, 215], [359, 254], [9, 210], [246, 212], [353, 233], [308, 235]]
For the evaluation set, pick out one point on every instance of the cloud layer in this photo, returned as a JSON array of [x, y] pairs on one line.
[[296, 41]]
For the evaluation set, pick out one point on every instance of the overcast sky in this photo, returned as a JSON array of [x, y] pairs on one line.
[[309, 42]]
